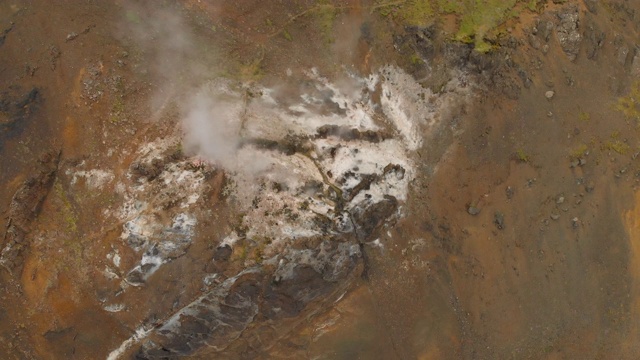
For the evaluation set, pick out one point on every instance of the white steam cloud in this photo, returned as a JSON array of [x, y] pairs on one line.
[[211, 123]]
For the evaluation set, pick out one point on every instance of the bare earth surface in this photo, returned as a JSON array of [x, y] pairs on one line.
[[314, 179]]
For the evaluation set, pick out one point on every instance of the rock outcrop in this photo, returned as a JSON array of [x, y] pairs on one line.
[[24, 209]]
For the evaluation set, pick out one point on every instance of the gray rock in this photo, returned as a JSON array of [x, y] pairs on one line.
[[499, 220], [472, 210], [592, 6], [549, 94], [72, 36], [594, 39], [567, 31], [509, 192], [589, 187], [534, 41], [555, 216], [546, 29], [622, 54], [635, 63]]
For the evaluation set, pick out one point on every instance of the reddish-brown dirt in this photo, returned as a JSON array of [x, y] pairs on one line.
[[447, 285]]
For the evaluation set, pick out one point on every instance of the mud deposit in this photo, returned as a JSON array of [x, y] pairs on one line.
[[320, 180]]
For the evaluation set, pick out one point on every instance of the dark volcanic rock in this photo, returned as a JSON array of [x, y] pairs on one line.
[[256, 295], [350, 134], [369, 220], [222, 253], [499, 220], [3, 35], [594, 39], [14, 110], [24, 208]]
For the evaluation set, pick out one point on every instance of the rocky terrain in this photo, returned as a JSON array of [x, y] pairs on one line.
[[318, 179]]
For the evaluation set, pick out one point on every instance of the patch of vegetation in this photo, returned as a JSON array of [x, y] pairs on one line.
[[242, 252], [410, 12], [133, 17], [68, 213], [618, 146], [478, 19], [325, 16], [239, 225], [534, 5], [522, 156], [118, 106], [579, 151], [287, 35], [584, 116], [614, 144], [415, 59], [69, 216], [252, 70], [417, 13], [629, 105], [259, 251], [117, 110]]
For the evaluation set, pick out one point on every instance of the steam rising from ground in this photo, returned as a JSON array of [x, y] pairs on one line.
[[158, 30], [306, 166], [211, 124], [316, 168]]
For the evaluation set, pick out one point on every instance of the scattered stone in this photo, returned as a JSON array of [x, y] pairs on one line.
[[560, 200], [71, 36], [54, 54], [472, 210], [555, 216], [499, 220], [575, 222], [582, 162], [574, 163], [509, 191], [534, 41], [589, 187], [545, 48], [549, 94]]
